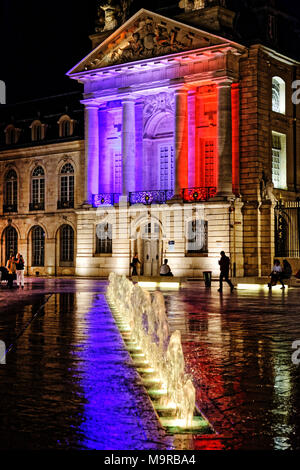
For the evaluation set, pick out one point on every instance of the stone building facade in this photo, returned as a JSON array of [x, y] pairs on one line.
[[190, 146]]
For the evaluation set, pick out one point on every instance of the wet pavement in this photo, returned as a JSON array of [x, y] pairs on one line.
[[68, 382]]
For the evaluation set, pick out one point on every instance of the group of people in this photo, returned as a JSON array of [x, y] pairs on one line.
[[279, 273], [14, 270]]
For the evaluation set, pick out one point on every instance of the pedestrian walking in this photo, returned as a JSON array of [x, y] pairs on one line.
[[224, 263], [134, 263], [11, 268], [276, 275], [20, 264]]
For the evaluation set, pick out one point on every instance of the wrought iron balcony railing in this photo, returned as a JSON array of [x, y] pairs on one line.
[[198, 193], [65, 204], [10, 208], [36, 206], [160, 196], [105, 199]]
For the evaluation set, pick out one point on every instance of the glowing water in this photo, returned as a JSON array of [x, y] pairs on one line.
[[145, 314]]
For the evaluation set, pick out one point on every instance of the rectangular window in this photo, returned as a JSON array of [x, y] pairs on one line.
[[279, 160], [197, 236], [118, 172], [104, 239], [209, 160]]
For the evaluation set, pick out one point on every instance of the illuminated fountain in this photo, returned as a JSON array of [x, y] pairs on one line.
[[158, 356]]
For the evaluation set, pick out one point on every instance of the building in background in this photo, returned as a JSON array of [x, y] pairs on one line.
[[190, 146]]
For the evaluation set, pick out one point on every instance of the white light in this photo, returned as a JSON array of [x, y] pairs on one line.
[[147, 284], [258, 287], [171, 285]]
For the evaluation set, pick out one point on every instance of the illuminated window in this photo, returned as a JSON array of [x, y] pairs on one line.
[[279, 160], [104, 238], [197, 236], [38, 246], [118, 172], [278, 95], [166, 159]]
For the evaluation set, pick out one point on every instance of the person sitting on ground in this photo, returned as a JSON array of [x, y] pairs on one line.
[[165, 269], [276, 275], [287, 270]]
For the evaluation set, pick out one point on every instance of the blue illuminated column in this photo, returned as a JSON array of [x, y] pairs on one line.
[[139, 181], [91, 152], [128, 144], [105, 154]]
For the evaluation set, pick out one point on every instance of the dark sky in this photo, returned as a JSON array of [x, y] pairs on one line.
[[41, 40]]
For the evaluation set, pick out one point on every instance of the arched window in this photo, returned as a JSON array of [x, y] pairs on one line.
[[37, 131], [37, 246], [197, 236], [66, 126], [10, 192], [278, 95], [66, 187], [11, 242], [66, 244], [104, 238], [38, 189], [11, 135]]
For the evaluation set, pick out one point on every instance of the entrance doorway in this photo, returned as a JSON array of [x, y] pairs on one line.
[[149, 248]]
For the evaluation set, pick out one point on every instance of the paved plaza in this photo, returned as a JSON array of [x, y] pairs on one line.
[[69, 383]]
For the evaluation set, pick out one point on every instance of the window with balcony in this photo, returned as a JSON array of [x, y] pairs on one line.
[[66, 200], [10, 192], [37, 189]]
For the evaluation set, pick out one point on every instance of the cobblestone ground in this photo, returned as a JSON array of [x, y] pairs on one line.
[[69, 383]]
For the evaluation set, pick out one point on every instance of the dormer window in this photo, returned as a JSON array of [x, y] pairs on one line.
[[11, 135], [66, 126], [278, 95], [37, 131]]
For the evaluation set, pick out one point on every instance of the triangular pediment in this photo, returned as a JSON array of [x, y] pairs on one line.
[[143, 36]]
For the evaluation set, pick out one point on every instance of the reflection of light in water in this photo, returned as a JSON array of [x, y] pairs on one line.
[[116, 415], [282, 410]]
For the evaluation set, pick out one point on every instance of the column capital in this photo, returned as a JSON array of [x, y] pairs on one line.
[[224, 82]]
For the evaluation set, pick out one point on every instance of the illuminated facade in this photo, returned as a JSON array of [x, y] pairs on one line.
[[188, 146]]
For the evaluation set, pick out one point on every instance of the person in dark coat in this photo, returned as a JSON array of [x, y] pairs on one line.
[[134, 263], [224, 263]]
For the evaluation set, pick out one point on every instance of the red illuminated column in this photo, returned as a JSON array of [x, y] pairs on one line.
[[224, 167], [192, 138], [128, 145], [181, 140], [91, 151]]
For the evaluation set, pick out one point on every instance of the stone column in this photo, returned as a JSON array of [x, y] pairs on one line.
[[139, 183], [181, 140], [50, 246], [224, 170], [128, 145], [91, 176]]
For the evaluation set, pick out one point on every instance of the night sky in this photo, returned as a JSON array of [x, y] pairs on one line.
[[41, 41]]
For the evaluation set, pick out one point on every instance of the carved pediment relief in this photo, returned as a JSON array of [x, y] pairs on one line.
[[144, 36]]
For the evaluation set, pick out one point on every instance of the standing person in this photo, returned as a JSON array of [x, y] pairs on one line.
[[134, 263], [224, 263], [20, 270], [276, 275], [11, 268]]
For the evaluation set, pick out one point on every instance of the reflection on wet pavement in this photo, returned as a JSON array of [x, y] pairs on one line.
[[69, 382]]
